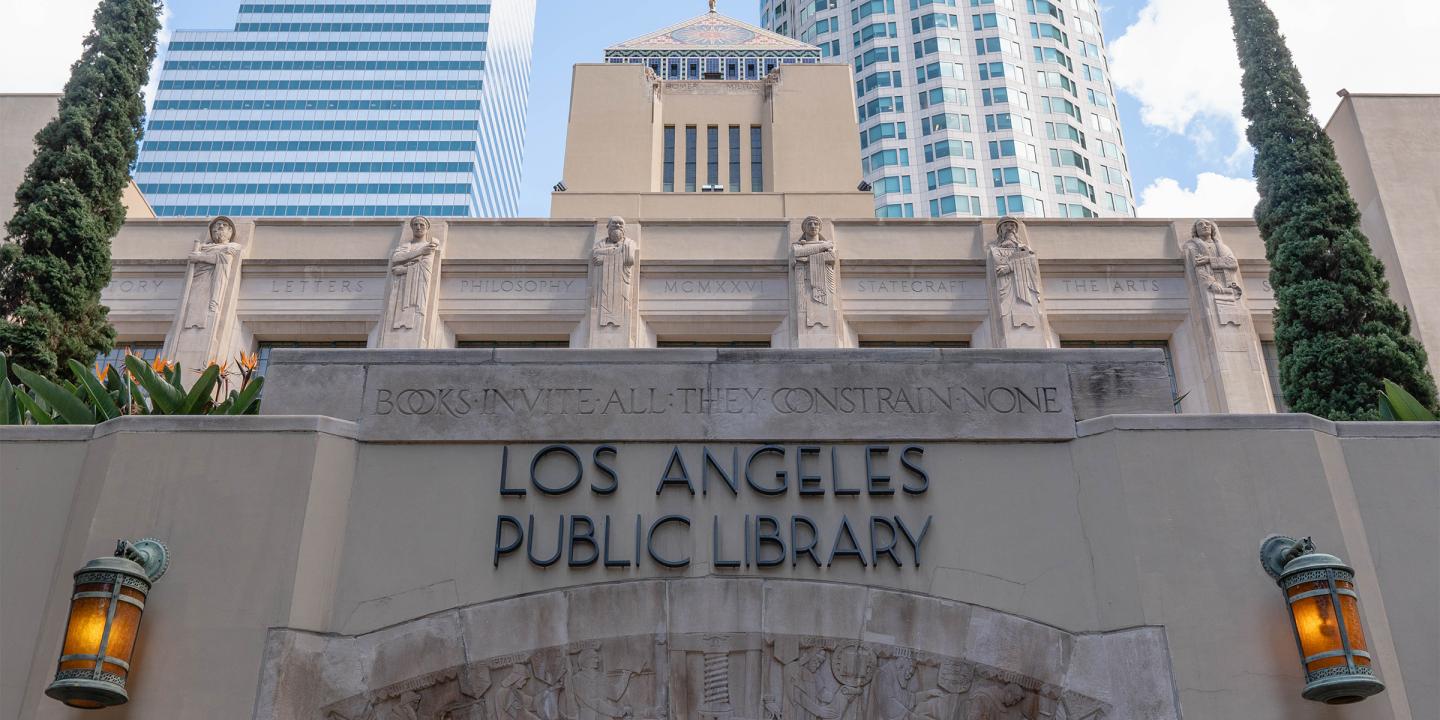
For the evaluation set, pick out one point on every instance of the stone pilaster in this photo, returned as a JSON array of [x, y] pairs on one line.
[[614, 317], [1016, 290], [205, 326], [1231, 363], [816, 316], [411, 316]]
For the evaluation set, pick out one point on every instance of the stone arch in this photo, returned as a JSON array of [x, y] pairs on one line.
[[720, 649]]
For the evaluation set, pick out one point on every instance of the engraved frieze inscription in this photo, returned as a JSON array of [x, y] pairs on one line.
[[782, 401]]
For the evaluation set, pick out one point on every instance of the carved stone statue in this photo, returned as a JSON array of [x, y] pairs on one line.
[[815, 261], [616, 256], [1017, 275], [811, 690], [512, 702], [598, 693], [412, 267], [212, 269], [1217, 270], [895, 692], [996, 702]]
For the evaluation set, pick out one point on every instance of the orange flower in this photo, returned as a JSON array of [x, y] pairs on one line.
[[224, 368], [102, 372], [249, 362]]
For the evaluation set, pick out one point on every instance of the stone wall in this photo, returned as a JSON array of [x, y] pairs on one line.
[[297, 545]]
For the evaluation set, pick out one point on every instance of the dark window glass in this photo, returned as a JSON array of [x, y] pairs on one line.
[[1272, 367], [669, 158], [757, 160], [690, 140], [499, 344], [115, 359], [712, 155], [914, 343], [712, 343], [734, 158]]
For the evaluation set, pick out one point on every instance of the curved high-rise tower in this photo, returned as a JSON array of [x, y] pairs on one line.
[[348, 110], [976, 107]]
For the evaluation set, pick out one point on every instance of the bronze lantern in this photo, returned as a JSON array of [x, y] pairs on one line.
[[1324, 612], [105, 611]]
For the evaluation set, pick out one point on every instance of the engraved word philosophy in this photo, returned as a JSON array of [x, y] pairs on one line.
[[885, 475]]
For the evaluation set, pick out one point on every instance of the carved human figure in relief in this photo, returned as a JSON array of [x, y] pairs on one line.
[[597, 692], [815, 262], [996, 702], [408, 708], [412, 264], [811, 690], [211, 267], [1217, 269], [1017, 275], [616, 256], [897, 693], [511, 700]]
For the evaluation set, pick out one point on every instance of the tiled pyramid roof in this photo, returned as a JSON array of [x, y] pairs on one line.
[[713, 32]]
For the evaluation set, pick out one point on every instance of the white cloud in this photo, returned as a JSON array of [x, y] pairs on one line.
[[166, 31], [1214, 196], [1179, 57], [39, 41]]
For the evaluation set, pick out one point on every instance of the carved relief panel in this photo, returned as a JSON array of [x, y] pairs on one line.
[[965, 663]]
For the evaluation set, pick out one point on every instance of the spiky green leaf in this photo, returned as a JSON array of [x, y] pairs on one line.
[[165, 399], [104, 405], [72, 409]]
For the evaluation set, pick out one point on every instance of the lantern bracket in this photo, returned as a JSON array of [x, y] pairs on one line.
[[149, 553], [1277, 551]]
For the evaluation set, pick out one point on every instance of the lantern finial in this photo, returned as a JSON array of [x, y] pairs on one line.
[[148, 553], [1277, 551]]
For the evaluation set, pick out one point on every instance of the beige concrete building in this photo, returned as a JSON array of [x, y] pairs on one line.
[[744, 123], [790, 465], [1388, 147], [21, 116], [542, 283]]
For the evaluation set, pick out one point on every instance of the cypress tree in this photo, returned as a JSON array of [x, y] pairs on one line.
[[57, 257], [1338, 333]]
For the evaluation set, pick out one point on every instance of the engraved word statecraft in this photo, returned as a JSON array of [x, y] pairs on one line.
[[759, 402]]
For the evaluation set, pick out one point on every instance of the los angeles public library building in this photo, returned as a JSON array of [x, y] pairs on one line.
[[733, 455]]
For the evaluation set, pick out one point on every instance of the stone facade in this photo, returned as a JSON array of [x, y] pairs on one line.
[[713, 282], [1111, 574]]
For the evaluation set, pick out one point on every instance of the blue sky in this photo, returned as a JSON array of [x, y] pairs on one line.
[[1173, 62]]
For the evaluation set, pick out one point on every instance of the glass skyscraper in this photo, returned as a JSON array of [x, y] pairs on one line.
[[976, 107], [344, 110]]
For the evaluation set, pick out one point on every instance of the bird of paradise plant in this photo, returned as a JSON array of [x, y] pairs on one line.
[[142, 388]]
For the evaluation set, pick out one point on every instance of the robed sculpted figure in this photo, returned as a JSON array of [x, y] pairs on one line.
[[616, 256], [514, 702], [1218, 271], [811, 690], [597, 693], [815, 260], [1017, 275], [212, 267], [412, 265]]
